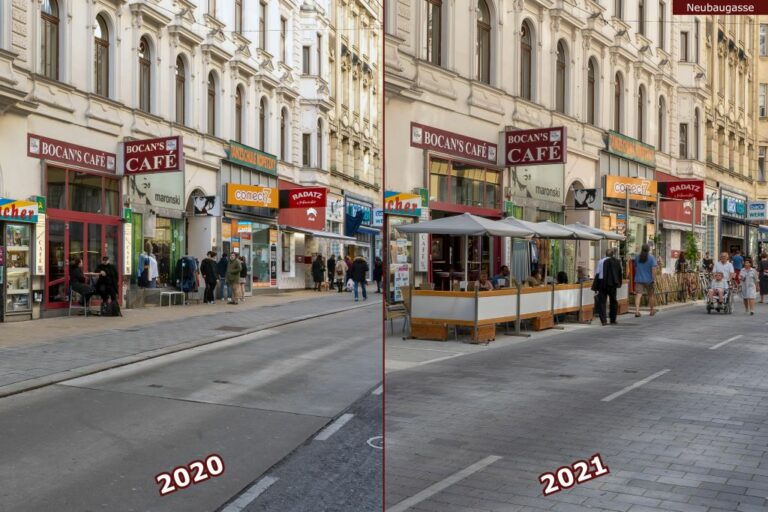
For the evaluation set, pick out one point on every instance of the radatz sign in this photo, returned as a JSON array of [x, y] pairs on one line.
[[70, 154], [151, 156], [427, 137], [683, 189], [535, 147], [307, 197]]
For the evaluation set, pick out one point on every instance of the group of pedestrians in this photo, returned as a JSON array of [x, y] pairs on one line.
[[227, 275], [346, 274], [739, 273]]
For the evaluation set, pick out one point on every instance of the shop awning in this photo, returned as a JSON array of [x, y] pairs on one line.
[[320, 234], [369, 231], [681, 226], [763, 229]]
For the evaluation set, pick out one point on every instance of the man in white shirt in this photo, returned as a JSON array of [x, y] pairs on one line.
[[726, 267]]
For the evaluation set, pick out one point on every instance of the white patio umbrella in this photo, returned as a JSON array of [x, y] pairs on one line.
[[606, 235], [541, 229], [466, 225]]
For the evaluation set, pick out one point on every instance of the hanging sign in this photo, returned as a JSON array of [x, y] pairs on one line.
[[544, 183], [639, 189], [397, 203], [734, 207], [303, 197], [683, 189], [535, 147], [151, 156], [252, 157], [18, 211], [427, 137], [251, 195], [756, 210], [632, 149], [71, 154], [587, 199], [709, 205], [207, 206]]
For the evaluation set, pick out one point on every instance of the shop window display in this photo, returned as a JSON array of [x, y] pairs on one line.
[[18, 262]]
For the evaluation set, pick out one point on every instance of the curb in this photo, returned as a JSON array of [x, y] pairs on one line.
[[55, 378]]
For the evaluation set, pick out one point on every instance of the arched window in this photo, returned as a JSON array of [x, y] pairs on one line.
[[526, 61], [239, 114], [591, 92], [618, 98], [319, 144], [101, 57], [662, 122], [696, 134], [181, 90], [483, 47], [262, 124], [283, 135], [640, 112], [432, 30], [211, 128], [49, 42], [560, 78], [145, 75]]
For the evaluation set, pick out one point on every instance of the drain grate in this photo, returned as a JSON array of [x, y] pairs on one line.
[[155, 385], [230, 328], [221, 381]]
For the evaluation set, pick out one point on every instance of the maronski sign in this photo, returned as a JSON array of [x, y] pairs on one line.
[[639, 189], [426, 137], [535, 147], [688, 189], [151, 156]]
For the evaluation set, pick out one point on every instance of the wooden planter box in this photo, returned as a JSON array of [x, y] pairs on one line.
[[586, 314], [436, 332], [544, 321], [485, 333]]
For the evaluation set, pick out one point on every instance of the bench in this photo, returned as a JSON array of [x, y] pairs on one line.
[[171, 296]]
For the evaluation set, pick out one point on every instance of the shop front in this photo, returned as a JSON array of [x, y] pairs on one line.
[[399, 209], [680, 211], [358, 224], [18, 258], [757, 214], [627, 168], [733, 222], [249, 225], [83, 212], [710, 218], [463, 177]]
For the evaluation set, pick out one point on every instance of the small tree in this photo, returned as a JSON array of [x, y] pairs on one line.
[[691, 250]]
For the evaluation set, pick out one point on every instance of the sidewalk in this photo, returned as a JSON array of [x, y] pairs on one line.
[[404, 354], [42, 352]]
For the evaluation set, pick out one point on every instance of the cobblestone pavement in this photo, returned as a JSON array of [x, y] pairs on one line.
[[30, 356], [693, 438]]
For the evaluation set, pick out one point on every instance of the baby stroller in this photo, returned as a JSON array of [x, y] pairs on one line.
[[714, 303]]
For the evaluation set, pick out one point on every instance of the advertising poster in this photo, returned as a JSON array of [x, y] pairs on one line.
[[402, 274]]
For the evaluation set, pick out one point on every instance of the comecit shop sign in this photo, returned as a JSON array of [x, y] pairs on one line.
[[535, 147], [151, 156], [639, 189], [70, 154], [253, 196], [427, 137]]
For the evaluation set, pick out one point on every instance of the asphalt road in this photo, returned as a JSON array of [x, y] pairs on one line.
[[676, 405], [97, 442]]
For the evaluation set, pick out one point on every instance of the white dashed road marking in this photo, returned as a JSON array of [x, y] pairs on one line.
[[334, 427], [715, 347], [251, 494], [635, 385], [378, 390]]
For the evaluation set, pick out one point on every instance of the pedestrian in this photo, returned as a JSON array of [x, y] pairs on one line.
[[221, 269], [106, 285], [608, 282], [348, 261], [318, 272], [210, 276], [762, 271], [707, 263], [358, 273], [341, 274], [378, 272], [77, 281], [749, 280], [331, 270], [725, 267], [233, 276], [680, 263], [738, 262], [243, 277], [645, 273]]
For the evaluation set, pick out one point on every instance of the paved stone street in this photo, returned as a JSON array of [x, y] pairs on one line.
[[676, 405], [45, 351]]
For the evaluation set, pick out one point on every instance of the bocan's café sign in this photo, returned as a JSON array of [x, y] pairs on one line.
[[427, 137], [535, 147], [70, 154], [151, 156]]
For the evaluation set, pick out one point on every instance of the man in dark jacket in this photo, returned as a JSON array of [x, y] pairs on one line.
[[358, 273], [607, 281], [107, 284], [221, 269], [210, 276], [331, 268]]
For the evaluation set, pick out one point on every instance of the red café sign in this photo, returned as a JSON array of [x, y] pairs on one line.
[[535, 147], [151, 156], [306, 197], [70, 154], [427, 137], [683, 189]]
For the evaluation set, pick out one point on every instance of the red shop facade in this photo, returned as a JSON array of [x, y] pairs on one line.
[[462, 176], [83, 197], [679, 210]]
